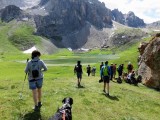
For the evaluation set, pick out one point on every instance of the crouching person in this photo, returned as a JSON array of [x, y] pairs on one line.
[[34, 69]]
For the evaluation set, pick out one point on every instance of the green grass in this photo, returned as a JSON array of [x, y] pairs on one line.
[[17, 36], [127, 102]]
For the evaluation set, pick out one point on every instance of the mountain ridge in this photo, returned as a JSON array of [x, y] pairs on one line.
[[70, 23]]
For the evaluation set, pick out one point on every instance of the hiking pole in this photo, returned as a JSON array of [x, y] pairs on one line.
[[20, 95]]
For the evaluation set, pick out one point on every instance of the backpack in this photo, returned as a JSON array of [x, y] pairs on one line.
[[79, 68], [35, 69], [105, 71]]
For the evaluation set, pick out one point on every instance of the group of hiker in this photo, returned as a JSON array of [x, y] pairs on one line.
[[35, 68], [108, 72], [91, 70]]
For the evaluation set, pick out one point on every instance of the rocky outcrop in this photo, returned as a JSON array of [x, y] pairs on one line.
[[10, 12], [4, 3], [154, 25], [13, 12], [127, 19], [149, 65], [66, 17], [133, 21], [118, 16]]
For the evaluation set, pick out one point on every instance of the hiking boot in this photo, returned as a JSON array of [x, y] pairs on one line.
[[39, 104], [36, 108], [107, 94], [104, 91]]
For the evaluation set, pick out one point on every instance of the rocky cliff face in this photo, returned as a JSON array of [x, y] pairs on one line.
[[70, 16], [154, 25], [149, 65], [10, 12], [133, 21], [129, 19], [118, 16]]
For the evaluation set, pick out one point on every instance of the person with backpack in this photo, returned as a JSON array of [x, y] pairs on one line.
[[79, 73], [111, 71], [34, 69], [129, 67], [93, 70], [105, 73], [114, 70], [88, 70]]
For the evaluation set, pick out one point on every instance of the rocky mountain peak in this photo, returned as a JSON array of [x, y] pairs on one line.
[[130, 14], [10, 12]]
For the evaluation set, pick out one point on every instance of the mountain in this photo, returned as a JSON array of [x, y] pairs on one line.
[[154, 25], [72, 23], [129, 19]]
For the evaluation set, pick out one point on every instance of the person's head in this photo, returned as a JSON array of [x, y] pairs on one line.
[[129, 63], [102, 63], [106, 63], [35, 53], [78, 62]]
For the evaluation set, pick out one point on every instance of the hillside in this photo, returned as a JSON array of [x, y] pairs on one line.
[[19, 36]]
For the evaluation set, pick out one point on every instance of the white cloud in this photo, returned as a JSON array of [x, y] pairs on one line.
[[148, 10]]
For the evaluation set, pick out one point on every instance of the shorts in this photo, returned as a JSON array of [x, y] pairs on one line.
[[106, 79], [79, 75], [36, 84]]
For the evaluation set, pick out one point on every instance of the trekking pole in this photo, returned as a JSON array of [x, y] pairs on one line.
[[20, 95]]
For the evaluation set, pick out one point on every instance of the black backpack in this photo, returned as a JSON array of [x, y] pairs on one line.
[[79, 68], [35, 69]]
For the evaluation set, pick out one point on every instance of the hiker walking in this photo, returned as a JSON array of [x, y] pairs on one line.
[[93, 70], [111, 71], [34, 69], [114, 70], [105, 73], [129, 67], [79, 73], [88, 70]]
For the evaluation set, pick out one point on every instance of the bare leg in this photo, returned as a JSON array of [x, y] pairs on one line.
[[104, 88], [34, 92], [39, 94], [108, 88]]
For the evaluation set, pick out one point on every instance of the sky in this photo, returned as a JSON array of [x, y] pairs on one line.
[[148, 10]]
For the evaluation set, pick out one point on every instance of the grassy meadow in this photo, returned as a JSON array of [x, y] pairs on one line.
[[127, 102]]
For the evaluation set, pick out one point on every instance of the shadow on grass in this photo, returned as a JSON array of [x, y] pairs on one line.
[[33, 116], [111, 97], [80, 87]]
